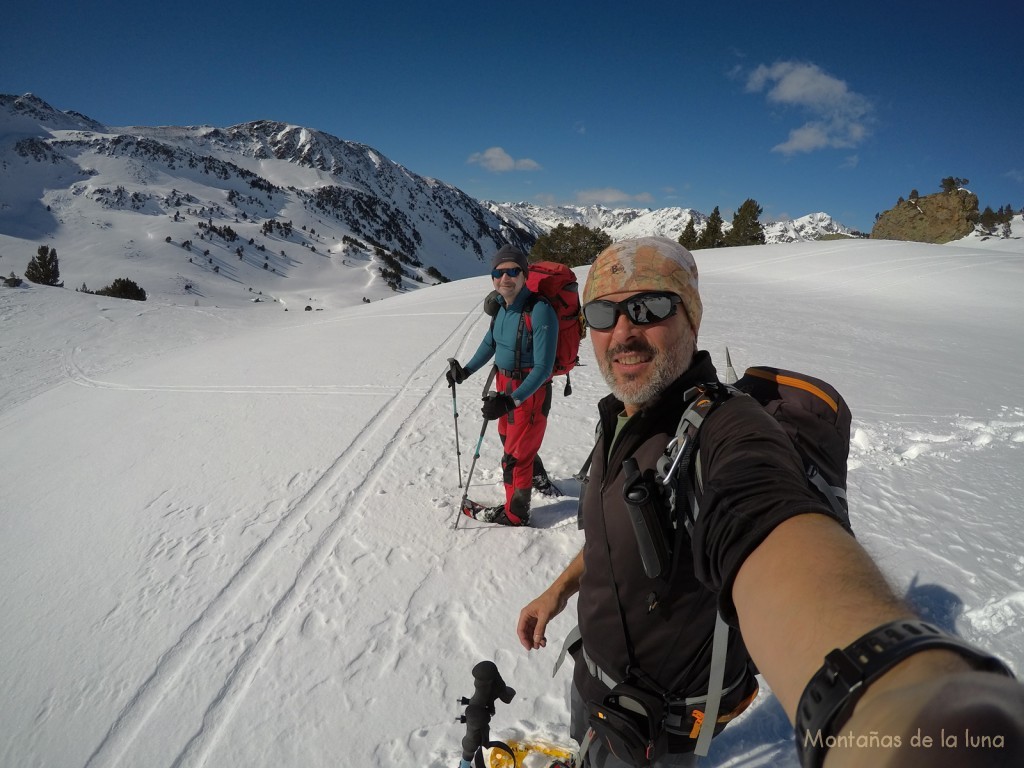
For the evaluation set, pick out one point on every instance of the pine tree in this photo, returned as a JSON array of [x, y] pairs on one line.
[[953, 183], [573, 246], [988, 219], [123, 288], [746, 226], [44, 268], [688, 239], [712, 236]]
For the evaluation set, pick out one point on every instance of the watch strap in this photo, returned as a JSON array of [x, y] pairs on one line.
[[829, 698]]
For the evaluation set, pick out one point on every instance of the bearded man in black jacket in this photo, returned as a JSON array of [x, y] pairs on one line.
[[765, 553]]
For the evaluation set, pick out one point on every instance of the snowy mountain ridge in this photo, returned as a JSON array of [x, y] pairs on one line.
[[263, 209], [622, 223]]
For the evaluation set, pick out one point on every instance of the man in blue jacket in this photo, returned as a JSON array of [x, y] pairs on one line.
[[522, 340]]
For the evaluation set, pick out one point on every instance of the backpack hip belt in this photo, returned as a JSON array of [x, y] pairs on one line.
[[518, 374], [683, 715]]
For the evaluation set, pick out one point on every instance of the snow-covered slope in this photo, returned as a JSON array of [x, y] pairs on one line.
[[225, 534]]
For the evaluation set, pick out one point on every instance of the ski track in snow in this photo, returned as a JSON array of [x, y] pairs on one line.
[[323, 508], [79, 377]]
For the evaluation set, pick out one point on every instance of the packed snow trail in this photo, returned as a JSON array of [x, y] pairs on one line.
[[322, 511]]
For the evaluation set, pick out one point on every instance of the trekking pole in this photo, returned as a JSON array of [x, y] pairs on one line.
[[455, 410], [487, 688], [476, 454]]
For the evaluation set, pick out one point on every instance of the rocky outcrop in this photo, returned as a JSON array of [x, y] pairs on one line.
[[937, 218]]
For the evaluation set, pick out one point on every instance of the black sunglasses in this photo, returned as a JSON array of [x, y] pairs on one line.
[[510, 271], [641, 309]]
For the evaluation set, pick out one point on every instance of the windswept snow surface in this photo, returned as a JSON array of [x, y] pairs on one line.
[[226, 534]]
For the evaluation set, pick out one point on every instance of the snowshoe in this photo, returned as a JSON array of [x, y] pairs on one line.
[[484, 514]]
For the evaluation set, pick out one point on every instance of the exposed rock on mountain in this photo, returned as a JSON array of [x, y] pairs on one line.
[[937, 218]]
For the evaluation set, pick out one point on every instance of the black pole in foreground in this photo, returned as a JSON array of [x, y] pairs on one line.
[[487, 688]]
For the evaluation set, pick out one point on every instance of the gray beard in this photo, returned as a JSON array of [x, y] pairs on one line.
[[668, 366]]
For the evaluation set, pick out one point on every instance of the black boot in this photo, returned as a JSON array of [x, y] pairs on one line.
[[541, 482], [519, 507]]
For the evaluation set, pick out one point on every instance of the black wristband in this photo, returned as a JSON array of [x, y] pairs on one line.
[[829, 698]]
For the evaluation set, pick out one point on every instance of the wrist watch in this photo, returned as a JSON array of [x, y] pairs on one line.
[[829, 698]]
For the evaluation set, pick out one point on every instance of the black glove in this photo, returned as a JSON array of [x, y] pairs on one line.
[[496, 406], [455, 374]]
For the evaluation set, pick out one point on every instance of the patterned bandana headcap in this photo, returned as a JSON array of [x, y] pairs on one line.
[[646, 264]]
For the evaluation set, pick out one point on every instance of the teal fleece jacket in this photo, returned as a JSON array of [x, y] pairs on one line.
[[537, 350]]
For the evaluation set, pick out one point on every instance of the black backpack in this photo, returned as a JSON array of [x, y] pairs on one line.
[[811, 412]]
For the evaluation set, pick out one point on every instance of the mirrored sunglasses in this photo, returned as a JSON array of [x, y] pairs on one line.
[[641, 309], [510, 271]]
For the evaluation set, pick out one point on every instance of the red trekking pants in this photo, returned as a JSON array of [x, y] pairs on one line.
[[521, 432]]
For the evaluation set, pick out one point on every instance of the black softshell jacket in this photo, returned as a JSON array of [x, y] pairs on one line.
[[753, 479]]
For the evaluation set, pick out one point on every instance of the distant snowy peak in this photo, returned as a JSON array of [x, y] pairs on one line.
[[813, 226], [619, 223], [623, 223], [30, 110]]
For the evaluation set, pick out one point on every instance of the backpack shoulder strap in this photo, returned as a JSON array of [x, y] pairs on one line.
[[674, 465], [674, 469], [526, 324], [716, 686]]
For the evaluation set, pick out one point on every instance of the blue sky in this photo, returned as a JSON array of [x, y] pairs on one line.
[[801, 107]]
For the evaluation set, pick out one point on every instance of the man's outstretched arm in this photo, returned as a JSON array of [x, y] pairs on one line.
[[810, 588]]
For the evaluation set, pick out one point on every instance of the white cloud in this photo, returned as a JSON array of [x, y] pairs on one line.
[[840, 118], [610, 196], [498, 160], [1015, 174]]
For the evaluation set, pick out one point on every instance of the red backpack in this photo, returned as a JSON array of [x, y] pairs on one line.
[[556, 284]]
